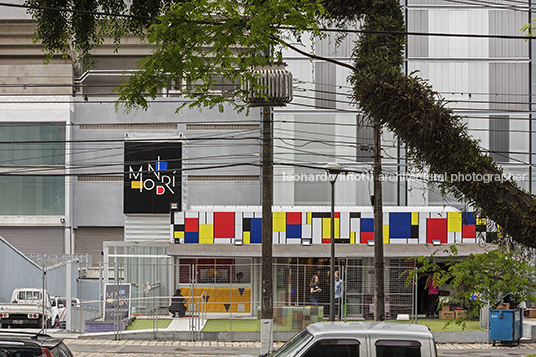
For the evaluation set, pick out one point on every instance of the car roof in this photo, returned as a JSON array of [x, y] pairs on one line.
[[28, 339], [380, 329]]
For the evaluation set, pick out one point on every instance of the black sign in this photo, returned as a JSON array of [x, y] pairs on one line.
[[117, 302], [152, 176]]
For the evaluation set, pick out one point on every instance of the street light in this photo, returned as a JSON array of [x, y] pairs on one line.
[[276, 92], [333, 170]]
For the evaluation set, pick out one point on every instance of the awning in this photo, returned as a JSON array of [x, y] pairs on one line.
[[320, 251]]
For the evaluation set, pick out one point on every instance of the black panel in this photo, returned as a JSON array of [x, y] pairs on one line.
[[415, 231], [321, 214], [158, 167], [355, 214], [246, 224]]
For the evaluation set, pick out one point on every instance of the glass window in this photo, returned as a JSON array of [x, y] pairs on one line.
[[26, 353], [294, 345], [334, 348], [398, 348]]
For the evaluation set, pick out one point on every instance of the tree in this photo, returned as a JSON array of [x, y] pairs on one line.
[[204, 43], [480, 277]]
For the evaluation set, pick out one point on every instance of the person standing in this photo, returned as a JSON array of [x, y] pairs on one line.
[[433, 293], [315, 290], [339, 290]]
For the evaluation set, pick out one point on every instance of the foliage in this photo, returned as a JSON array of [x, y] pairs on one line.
[[487, 276], [202, 44]]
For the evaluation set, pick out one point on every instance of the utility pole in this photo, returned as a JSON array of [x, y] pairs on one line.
[[379, 294]]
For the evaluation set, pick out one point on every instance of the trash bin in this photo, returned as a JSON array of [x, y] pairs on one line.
[[505, 324]]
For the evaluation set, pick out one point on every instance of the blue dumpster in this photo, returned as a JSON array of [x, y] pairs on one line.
[[505, 325]]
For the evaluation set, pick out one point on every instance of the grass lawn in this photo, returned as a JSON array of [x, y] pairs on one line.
[[148, 324], [254, 325]]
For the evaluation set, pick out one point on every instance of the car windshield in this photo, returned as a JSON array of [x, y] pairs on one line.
[[294, 345]]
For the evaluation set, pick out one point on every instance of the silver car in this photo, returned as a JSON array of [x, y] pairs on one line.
[[360, 339]]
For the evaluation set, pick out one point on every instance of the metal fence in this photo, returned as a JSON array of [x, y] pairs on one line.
[[138, 293]]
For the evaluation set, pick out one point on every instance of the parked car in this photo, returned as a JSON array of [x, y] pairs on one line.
[[27, 344], [360, 339], [26, 309], [58, 306]]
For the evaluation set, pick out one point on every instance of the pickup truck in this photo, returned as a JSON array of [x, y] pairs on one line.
[[360, 339], [58, 307], [26, 309]]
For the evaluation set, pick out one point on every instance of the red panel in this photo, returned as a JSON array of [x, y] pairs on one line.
[[293, 217], [436, 228], [366, 236], [326, 241], [337, 214], [224, 224], [468, 231], [191, 224]]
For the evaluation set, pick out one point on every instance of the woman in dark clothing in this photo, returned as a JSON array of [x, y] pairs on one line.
[[177, 307], [315, 290]]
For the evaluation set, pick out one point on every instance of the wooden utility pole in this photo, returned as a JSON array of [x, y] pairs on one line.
[[379, 294]]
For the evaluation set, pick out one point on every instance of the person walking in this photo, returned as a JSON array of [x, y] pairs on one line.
[[339, 290], [315, 290], [433, 293]]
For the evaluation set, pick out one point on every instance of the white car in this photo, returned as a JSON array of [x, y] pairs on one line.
[[58, 309], [360, 339]]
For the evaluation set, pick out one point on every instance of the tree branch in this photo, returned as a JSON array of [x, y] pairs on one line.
[[310, 55]]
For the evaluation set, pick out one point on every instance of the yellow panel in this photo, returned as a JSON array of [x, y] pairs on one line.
[[246, 237], [135, 184], [386, 234], [352, 239], [178, 234], [337, 228], [206, 234], [279, 221], [454, 222], [414, 218], [480, 221], [326, 228], [309, 218]]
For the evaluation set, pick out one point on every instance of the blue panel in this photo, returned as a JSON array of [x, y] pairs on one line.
[[256, 230], [191, 237], [468, 218], [400, 225], [293, 230], [367, 224]]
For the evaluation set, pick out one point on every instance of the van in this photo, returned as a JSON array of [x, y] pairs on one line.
[[360, 339]]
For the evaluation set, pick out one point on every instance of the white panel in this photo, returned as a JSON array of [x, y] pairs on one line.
[[258, 215], [275, 237], [293, 241], [239, 230], [248, 214], [398, 241], [151, 227], [179, 217], [386, 218], [210, 217], [238, 218], [457, 237], [367, 214], [469, 240], [304, 219], [222, 240], [435, 215], [191, 214], [344, 221], [355, 226], [450, 237], [306, 231], [202, 217], [413, 241], [317, 230], [282, 237]]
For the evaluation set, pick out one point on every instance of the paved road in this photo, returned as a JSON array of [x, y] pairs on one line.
[[144, 348]]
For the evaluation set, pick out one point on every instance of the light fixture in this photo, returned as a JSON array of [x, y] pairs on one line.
[[238, 242], [173, 206], [62, 220], [306, 241], [436, 242], [370, 243]]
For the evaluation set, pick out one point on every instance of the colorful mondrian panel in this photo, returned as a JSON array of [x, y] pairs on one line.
[[345, 225], [307, 231], [400, 225], [386, 234], [454, 222], [191, 237], [436, 229], [294, 231], [246, 237], [191, 224], [366, 237], [256, 230], [367, 225], [468, 231], [206, 234], [224, 224], [279, 221], [294, 218], [468, 218], [317, 230]]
